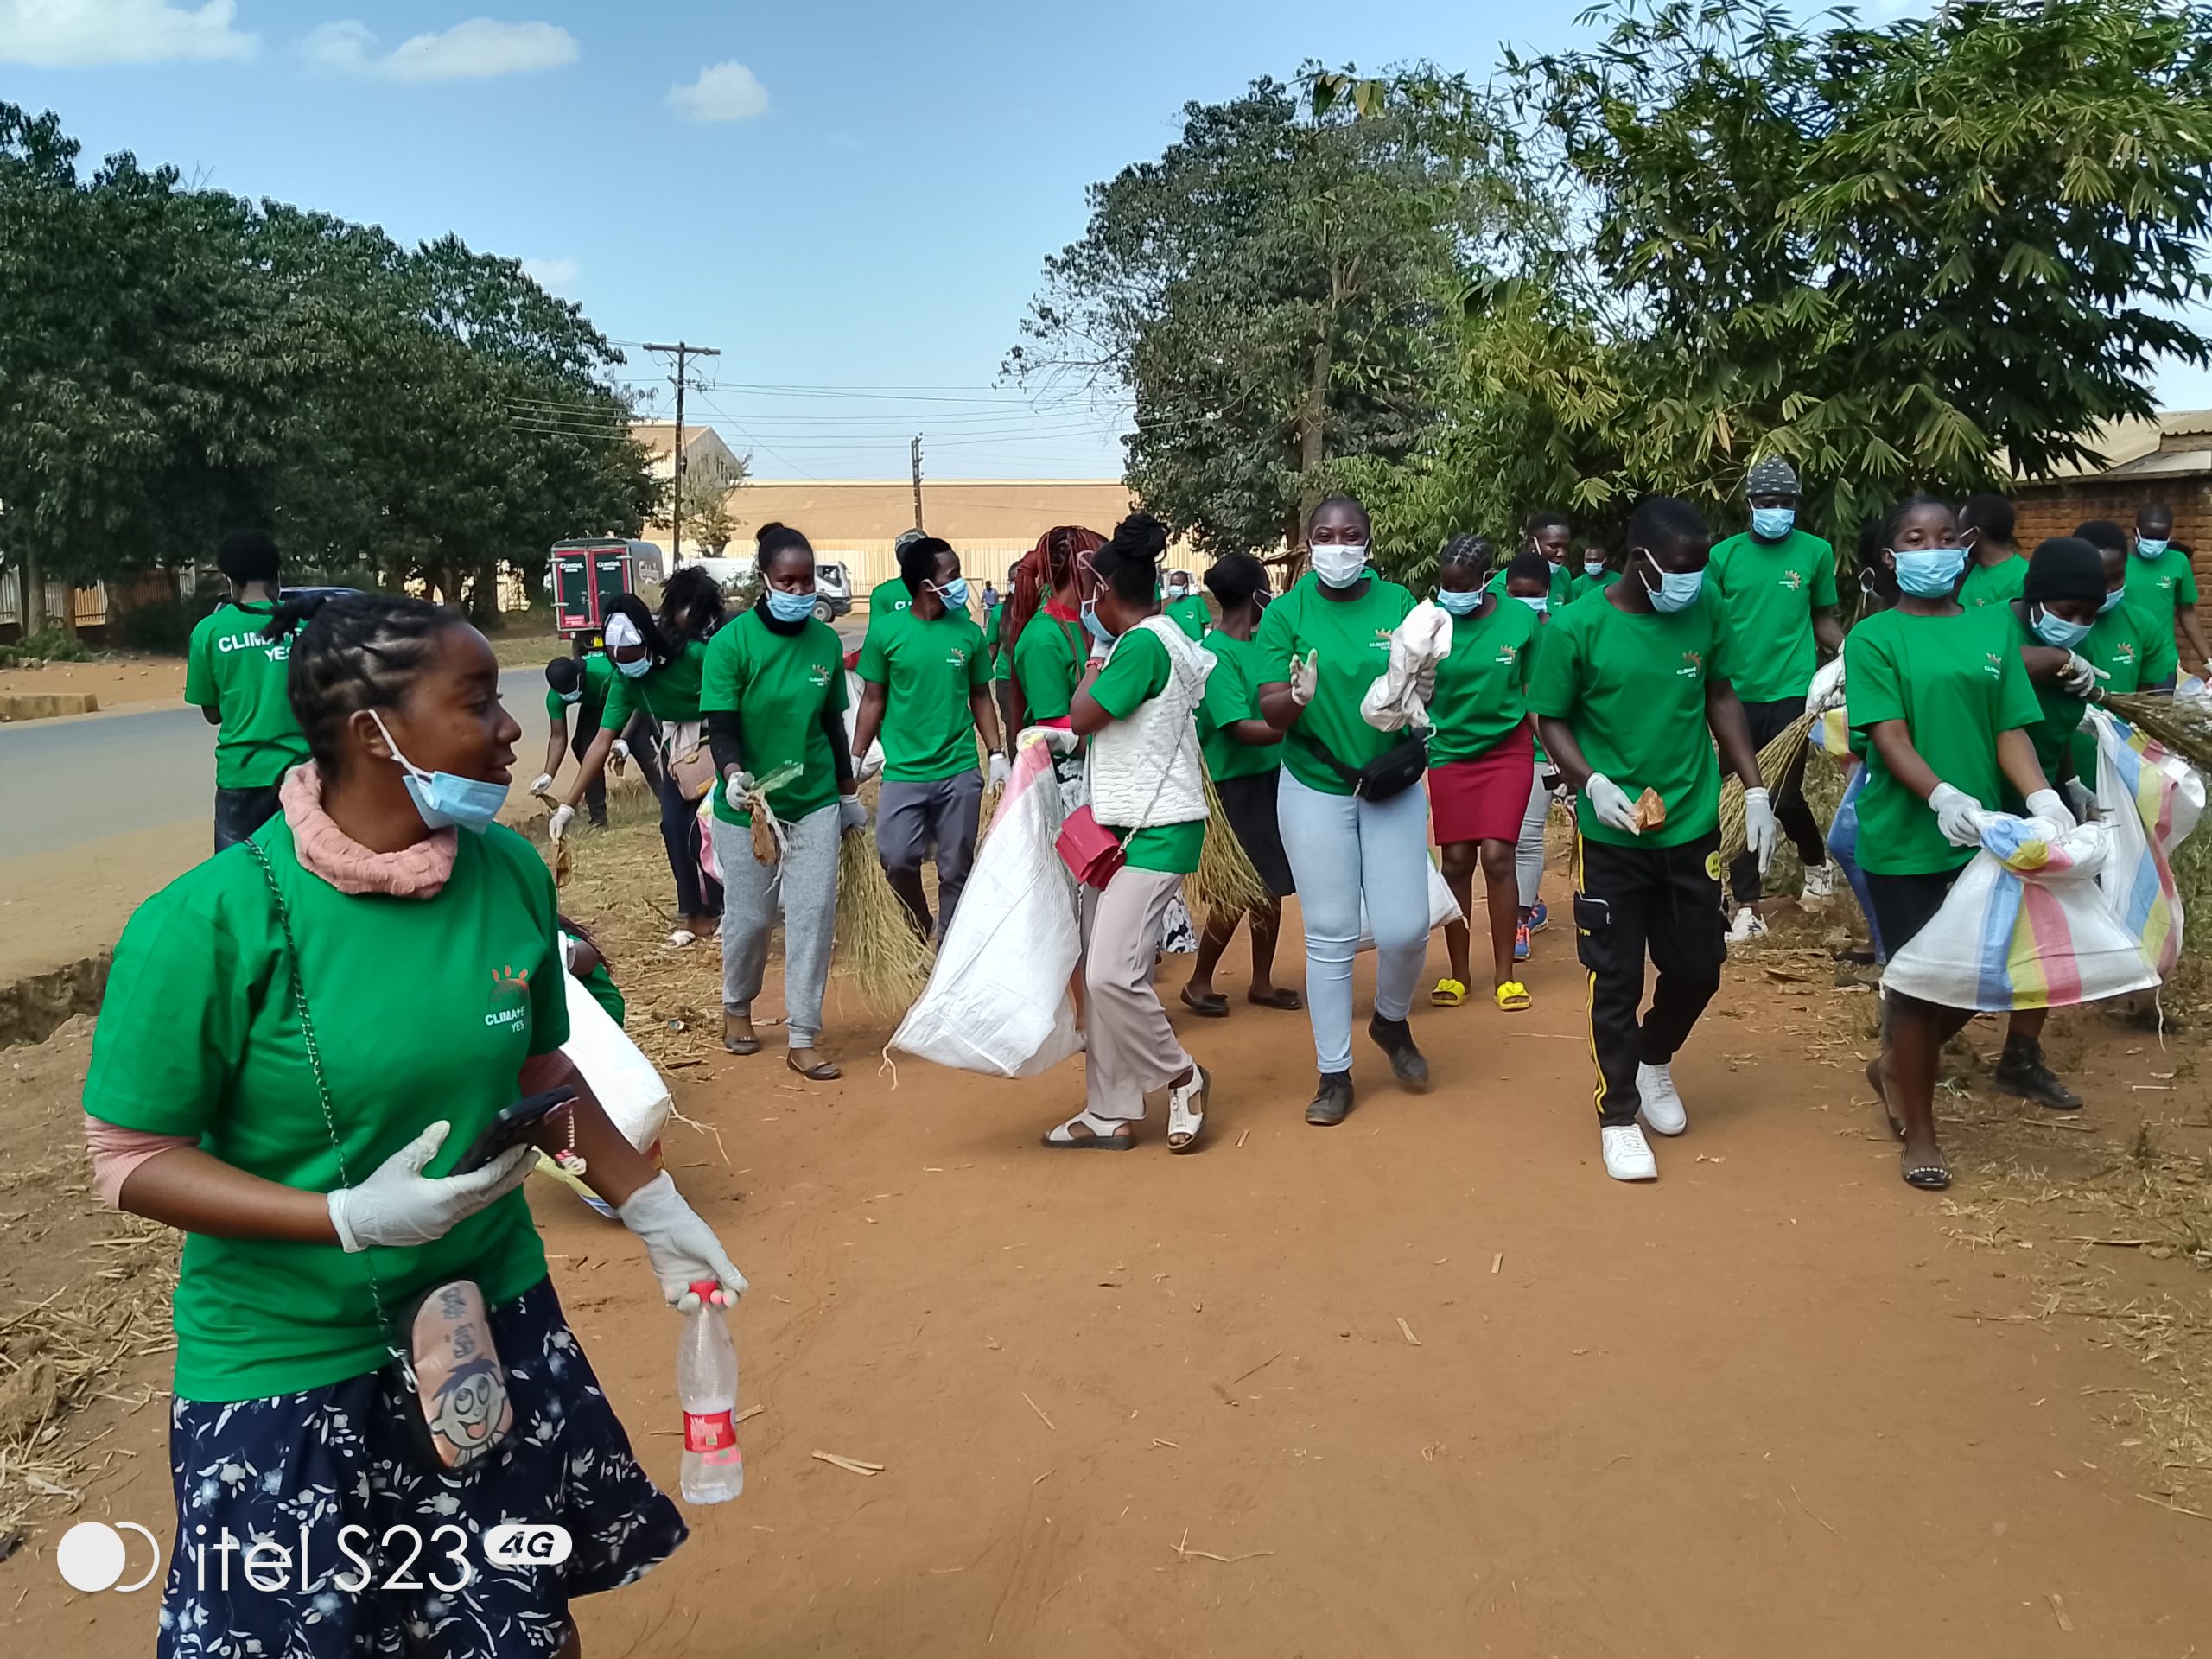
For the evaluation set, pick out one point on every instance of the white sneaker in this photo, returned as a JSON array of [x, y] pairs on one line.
[[1819, 884], [1628, 1154], [1662, 1105], [1747, 926]]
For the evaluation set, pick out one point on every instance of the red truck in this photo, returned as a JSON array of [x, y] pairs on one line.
[[589, 575]]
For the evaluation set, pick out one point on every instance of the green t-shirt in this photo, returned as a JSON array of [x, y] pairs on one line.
[[1136, 671], [2135, 648], [424, 1009], [1992, 584], [671, 691], [2161, 586], [1048, 658], [886, 599], [1632, 690], [1189, 614], [927, 671], [1772, 588], [1583, 585], [1353, 637], [1233, 693], [2062, 717], [777, 686], [1481, 684], [992, 617], [591, 701], [1957, 683], [1558, 593], [230, 668]]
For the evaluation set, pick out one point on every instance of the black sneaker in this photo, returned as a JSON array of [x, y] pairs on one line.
[[2020, 1070], [1332, 1101], [1395, 1039]]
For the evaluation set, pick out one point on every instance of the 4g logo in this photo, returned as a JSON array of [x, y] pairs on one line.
[[92, 1557]]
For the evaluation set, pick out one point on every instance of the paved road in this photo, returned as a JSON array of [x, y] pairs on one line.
[[71, 781]]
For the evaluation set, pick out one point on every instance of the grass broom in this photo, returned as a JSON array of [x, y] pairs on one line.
[[1226, 882], [876, 943], [2183, 725], [1776, 759]]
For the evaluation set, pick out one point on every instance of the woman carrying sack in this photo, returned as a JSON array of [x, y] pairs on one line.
[[1148, 791], [301, 1039], [1355, 821], [660, 673], [773, 696]]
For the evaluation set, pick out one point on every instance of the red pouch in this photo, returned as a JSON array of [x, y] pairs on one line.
[[1089, 849]]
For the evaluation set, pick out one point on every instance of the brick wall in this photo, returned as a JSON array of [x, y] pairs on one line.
[[2054, 509]]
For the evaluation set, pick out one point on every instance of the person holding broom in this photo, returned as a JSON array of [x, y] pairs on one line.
[[1627, 689], [1243, 754], [2131, 647], [773, 696], [1147, 783], [1481, 762], [1940, 700]]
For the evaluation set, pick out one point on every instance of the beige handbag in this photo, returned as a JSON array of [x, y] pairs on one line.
[[685, 757]]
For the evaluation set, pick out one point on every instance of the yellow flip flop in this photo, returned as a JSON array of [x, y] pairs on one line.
[[1448, 993], [1513, 997]]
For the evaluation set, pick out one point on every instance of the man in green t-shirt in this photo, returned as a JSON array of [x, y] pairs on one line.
[[925, 676], [1995, 566], [581, 683], [1187, 605], [2160, 578], [240, 681], [1547, 532], [1778, 584], [1626, 688]]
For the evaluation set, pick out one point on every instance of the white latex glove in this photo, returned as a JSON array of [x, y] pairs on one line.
[[2080, 676], [871, 764], [1610, 802], [1761, 832], [558, 825], [1826, 691], [681, 1247], [1425, 685], [1001, 770], [1958, 815], [2050, 806], [1058, 739], [1305, 678], [620, 750], [542, 785], [736, 787], [399, 1207], [851, 815]]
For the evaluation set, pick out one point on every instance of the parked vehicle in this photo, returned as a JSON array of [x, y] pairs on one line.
[[588, 575], [833, 589]]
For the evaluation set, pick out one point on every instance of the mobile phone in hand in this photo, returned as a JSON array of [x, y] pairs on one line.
[[514, 1126]]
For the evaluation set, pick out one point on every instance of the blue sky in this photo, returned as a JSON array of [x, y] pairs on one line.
[[850, 198]]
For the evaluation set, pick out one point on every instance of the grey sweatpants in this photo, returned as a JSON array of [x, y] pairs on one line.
[[1528, 856], [915, 821], [1129, 1048], [805, 886]]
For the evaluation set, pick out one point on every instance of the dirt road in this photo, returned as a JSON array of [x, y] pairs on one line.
[[1427, 1383]]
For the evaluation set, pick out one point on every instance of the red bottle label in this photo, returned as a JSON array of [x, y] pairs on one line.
[[715, 1431]]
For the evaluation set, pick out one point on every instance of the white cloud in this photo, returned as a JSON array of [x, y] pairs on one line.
[[480, 49], [723, 92], [55, 33], [553, 275]]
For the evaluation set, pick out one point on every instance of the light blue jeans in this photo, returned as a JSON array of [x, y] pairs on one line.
[[1341, 848]]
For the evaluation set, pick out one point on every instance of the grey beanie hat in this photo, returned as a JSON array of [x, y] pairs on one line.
[[1773, 476], [906, 540]]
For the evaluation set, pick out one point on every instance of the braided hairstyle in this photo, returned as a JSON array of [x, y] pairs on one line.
[[352, 651], [1059, 554], [1475, 552], [1129, 564]]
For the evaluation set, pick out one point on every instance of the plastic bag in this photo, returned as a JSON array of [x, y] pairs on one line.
[[2025, 926], [997, 1000], [1442, 908], [1417, 645], [626, 1082], [1843, 847], [2150, 799]]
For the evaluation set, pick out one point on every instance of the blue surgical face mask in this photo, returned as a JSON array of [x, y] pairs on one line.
[[2112, 602], [1539, 604], [1097, 629], [446, 798], [1772, 523], [1677, 589], [2055, 629], [632, 669], [789, 608], [571, 697], [2149, 548], [1461, 603], [1930, 572], [1593, 567], [954, 593]]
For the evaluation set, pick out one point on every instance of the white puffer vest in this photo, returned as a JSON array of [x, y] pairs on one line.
[[1147, 770]]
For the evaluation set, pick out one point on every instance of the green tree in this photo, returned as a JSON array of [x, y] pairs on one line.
[[710, 485]]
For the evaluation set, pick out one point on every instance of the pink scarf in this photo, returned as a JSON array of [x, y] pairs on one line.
[[324, 849]]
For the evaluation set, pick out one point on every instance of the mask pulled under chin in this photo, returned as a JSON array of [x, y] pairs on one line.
[[1340, 563], [445, 800]]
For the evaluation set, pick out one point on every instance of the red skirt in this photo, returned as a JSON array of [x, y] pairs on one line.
[[1484, 798]]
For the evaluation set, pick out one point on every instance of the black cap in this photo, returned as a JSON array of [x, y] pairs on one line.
[[2065, 567]]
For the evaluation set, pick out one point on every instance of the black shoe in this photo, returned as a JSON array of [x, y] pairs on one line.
[[1332, 1101], [2020, 1070], [1395, 1039]]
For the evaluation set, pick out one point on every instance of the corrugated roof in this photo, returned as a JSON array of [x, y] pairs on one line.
[[2122, 442]]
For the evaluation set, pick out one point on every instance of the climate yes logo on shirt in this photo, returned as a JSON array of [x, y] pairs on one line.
[[1994, 665], [1381, 641], [1793, 580], [819, 676], [1507, 655], [509, 1006], [1693, 665]]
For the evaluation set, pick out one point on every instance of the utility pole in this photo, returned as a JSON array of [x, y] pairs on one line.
[[914, 454], [683, 350]]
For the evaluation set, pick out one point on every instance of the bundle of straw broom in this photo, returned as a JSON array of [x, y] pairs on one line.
[[876, 943], [2181, 724], [1775, 761], [1225, 882]]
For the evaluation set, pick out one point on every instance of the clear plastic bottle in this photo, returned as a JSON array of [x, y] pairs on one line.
[[706, 1385]]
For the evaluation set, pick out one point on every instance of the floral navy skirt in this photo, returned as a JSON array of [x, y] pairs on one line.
[[363, 1550]]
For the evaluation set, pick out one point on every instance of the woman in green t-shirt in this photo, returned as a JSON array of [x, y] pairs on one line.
[[300, 1037], [773, 696], [1046, 644], [1148, 780], [1321, 646], [1941, 701], [1482, 760]]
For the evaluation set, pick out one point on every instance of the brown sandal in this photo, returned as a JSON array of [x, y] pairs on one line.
[[820, 1072], [737, 1034]]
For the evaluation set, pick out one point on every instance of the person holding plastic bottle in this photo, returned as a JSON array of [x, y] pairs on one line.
[[301, 1039], [1943, 705]]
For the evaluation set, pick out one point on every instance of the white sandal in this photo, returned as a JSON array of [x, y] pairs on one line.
[[683, 939], [1187, 1110]]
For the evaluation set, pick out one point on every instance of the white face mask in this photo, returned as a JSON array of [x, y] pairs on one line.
[[1339, 563]]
